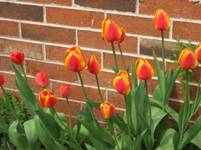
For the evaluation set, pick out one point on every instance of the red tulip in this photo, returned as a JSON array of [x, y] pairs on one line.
[[64, 90], [41, 78], [47, 98], [198, 53], [107, 110], [161, 20], [2, 80], [17, 57], [122, 35], [93, 65]]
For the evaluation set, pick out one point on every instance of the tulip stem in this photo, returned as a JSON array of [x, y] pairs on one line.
[[82, 85], [122, 58], [3, 90], [163, 48], [70, 113], [111, 128], [149, 103], [98, 85], [25, 76], [115, 57]]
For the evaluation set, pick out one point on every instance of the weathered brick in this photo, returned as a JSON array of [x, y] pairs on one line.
[[116, 99], [67, 17], [178, 8], [187, 30], [94, 40], [121, 5], [136, 25], [54, 71], [9, 28], [31, 50], [48, 34], [56, 53], [5, 63], [22, 12], [63, 2], [148, 45]]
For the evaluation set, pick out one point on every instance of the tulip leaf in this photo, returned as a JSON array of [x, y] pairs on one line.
[[120, 123], [167, 141], [25, 91], [196, 140]]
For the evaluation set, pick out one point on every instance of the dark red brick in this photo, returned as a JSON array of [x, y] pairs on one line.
[[9, 28]]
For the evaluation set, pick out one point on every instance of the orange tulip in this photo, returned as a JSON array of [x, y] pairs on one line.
[[122, 35], [122, 82], [74, 59], [143, 69], [161, 20], [187, 59], [93, 65], [47, 98], [198, 53], [110, 30], [107, 110]]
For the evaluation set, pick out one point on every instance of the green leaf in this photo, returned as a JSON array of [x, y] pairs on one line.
[[89, 147], [3, 127], [167, 141], [196, 140], [31, 133], [17, 137], [120, 123], [25, 91]]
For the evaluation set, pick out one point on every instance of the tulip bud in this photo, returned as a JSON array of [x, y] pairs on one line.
[[2, 80], [187, 59], [198, 53], [17, 57], [122, 83], [122, 35], [107, 110], [41, 78], [74, 59], [64, 90], [143, 69], [93, 65], [47, 98], [161, 20], [110, 30]]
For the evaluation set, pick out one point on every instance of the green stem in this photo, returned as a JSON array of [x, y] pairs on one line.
[[3, 90], [70, 113], [21, 65], [63, 125], [111, 128], [98, 85], [163, 48], [82, 85], [115, 57], [122, 58], [149, 103]]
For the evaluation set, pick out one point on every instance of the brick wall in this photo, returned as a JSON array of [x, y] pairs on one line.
[[43, 29]]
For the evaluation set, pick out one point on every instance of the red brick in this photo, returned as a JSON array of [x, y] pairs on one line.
[[9, 28], [136, 25], [67, 17], [9, 80], [116, 99], [63, 2], [75, 89], [31, 50], [178, 8], [5, 63], [62, 106], [48, 34], [187, 30], [121, 5], [94, 40], [54, 71], [56, 53], [22, 12]]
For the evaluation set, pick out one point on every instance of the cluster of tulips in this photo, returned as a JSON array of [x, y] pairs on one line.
[[144, 124]]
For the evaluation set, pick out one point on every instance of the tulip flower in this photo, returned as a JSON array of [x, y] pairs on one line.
[[187, 59], [161, 20], [64, 90], [2, 80], [47, 98], [107, 110], [122, 83], [110, 31], [74, 59], [122, 35], [41, 78], [93, 65], [198, 53], [143, 69], [17, 57]]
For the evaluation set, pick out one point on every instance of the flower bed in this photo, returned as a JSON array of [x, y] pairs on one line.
[[33, 123]]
